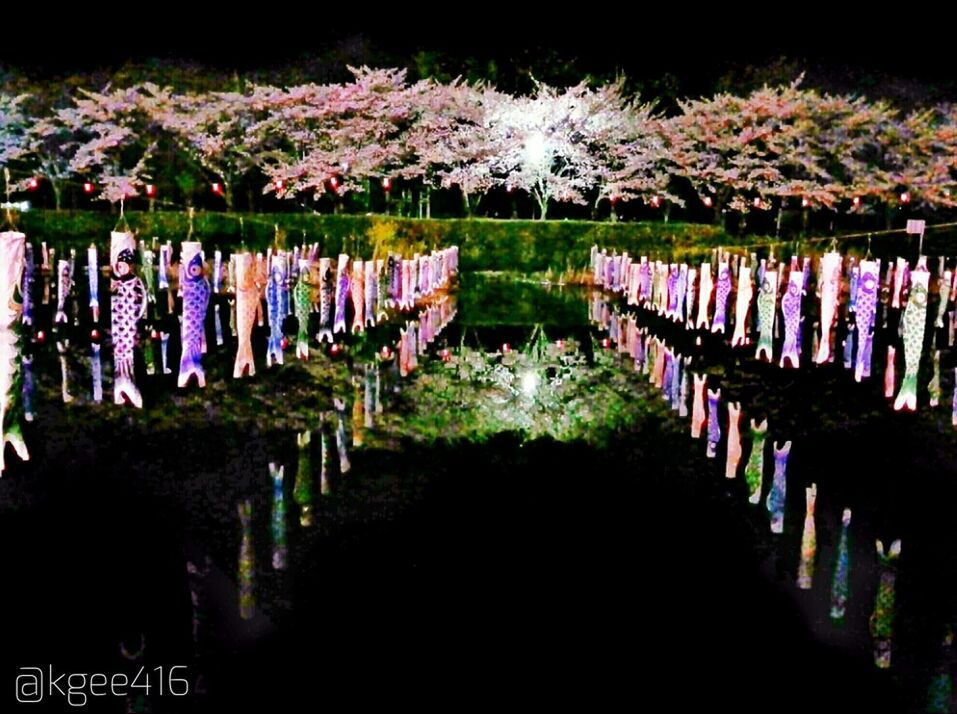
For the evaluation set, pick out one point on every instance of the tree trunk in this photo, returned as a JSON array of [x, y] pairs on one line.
[[57, 193], [251, 198], [777, 222], [428, 201], [667, 212], [228, 196], [465, 204]]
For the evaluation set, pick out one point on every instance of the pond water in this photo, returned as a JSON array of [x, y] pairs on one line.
[[515, 511]]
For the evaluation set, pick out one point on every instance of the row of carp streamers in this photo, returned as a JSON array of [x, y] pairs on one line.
[[671, 373], [295, 282], [694, 297]]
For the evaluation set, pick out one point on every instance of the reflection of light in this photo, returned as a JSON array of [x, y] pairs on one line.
[[335, 349], [606, 343], [386, 352], [529, 383], [560, 344]]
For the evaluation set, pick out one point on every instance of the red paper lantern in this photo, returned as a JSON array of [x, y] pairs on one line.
[[707, 201], [150, 190], [33, 183], [506, 348], [386, 352], [805, 203], [335, 349], [94, 334], [386, 183], [41, 336], [218, 189], [334, 182], [856, 201], [905, 197], [88, 187], [606, 343], [278, 185]]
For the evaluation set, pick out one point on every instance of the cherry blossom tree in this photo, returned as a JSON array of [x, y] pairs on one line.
[[116, 138], [335, 136], [216, 130], [50, 144], [450, 141], [13, 126], [548, 144]]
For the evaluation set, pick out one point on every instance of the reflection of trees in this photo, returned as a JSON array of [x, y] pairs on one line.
[[545, 389]]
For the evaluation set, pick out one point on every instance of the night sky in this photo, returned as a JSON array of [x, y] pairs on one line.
[[694, 45]]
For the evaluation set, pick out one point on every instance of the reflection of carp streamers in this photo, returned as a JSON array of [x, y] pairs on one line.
[[865, 309], [325, 457], [698, 414], [358, 296], [369, 403], [953, 417], [595, 265], [754, 470], [341, 445], [944, 290], [667, 374], [882, 619], [704, 299], [327, 292], [97, 370], [830, 288], [683, 388], [808, 541], [12, 258], [247, 303], [342, 293], [303, 493], [196, 291], [128, 306], [885, 296], [840, 585], [766, 309], [889, 374], [914, 322], [276, 307], [26, 284], [278, 520], [722, 291], [682, 290], [302, 297], [940, 691], [371, 291], [671, 308], [658, 376], [61, 347], [899, 276], [64, 283], [247, 563], [714, 424], [93, 280], [734, 440], [777, 494], [29, 387], [609, 283], [742, 305], [933, 388]]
